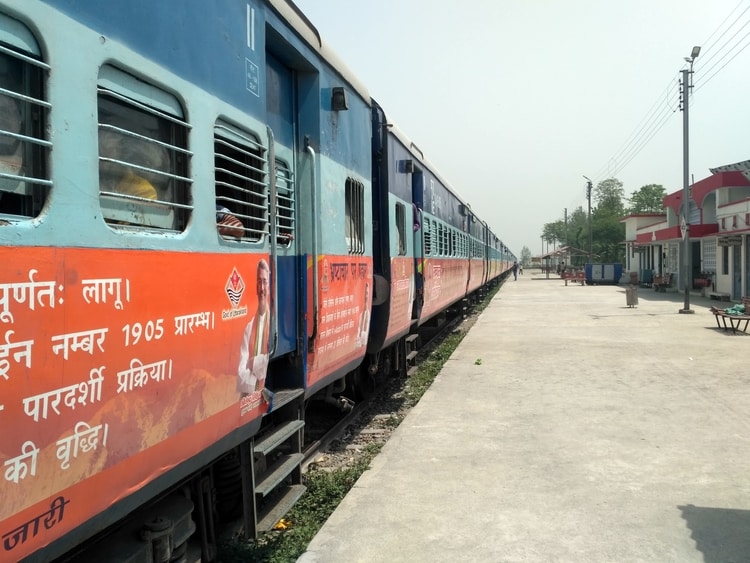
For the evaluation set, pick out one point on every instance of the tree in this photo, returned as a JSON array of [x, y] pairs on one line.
[[608, 231], [647, 199], [526, 256], [608, 196]]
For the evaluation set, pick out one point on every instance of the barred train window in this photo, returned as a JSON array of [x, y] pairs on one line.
[[427, 230], [241, 185], [143, 164], [285, 204], [24, 151], [354, 228], [401, 228]]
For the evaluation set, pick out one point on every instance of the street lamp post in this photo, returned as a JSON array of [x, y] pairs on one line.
[[685, 222], [589, 187]]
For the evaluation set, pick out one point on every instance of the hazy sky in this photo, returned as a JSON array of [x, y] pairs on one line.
[[514, 101]]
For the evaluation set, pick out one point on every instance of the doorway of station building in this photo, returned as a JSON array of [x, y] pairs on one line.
[[736, 272], [695, 262]]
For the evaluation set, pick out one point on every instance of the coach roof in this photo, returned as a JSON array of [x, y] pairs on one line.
[[309, 33]]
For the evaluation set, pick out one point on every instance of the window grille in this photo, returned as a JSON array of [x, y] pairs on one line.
[[241, 181], [143, 162], [709, 255], [355, 216], [427, 229], [401, 228], [285, 205], [24, 149]]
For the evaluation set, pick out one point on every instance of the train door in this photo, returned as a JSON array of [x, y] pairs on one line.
[[417, 191], [280, 107]]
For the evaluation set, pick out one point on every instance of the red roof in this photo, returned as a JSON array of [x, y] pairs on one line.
[[674, 233], [703, 187]]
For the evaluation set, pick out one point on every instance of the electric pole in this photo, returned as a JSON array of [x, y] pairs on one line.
[[589, 188], [685, 221]]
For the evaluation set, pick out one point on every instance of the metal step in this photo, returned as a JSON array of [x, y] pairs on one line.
[[411, 371], [411, 355], [279, 506], [273, 440], [411, 338], [285, 396], [279, 471]]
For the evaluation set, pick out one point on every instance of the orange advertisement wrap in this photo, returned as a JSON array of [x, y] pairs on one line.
[[476, 273], [115, 366], [402, 296], [445, 282], [343, 320]]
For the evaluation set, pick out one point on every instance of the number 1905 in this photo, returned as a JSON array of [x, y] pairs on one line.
[[152, 330]]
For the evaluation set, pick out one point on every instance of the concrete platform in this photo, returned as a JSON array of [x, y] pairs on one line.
[[589, 432]]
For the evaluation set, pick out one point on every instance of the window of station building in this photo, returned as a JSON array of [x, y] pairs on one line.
[[354, 228], [401, 228], [24, 150], [242, 202], [143, 156], [709, 255]]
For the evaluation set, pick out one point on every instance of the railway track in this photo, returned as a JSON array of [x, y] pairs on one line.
[[376, 408]]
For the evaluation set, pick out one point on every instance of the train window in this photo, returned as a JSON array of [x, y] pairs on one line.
[[143, 162], [354, 228], [427, 230], [453, 242], [24, 151], [401, 228], [241, 185], [285, 216]]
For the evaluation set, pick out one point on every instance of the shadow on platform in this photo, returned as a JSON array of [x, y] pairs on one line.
[[720, 534]]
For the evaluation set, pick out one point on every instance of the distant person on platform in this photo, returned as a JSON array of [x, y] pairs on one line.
[[520, 268], [515, 271]]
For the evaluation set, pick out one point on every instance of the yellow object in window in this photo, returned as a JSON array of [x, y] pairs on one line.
[[134, 185]]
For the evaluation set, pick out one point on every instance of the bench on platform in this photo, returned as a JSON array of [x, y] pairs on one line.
[[662, 283], [718, 296], [578, 276], [735, 320]]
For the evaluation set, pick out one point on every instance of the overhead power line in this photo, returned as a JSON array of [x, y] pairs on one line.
[[666, 104]]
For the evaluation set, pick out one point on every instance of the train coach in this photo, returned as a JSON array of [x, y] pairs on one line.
[[205, 223], [431, 250]]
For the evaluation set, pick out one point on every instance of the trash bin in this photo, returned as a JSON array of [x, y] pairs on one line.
[[631, 296], [633, 278]]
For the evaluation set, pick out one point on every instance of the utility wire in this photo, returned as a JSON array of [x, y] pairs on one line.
[[655, 113], [658, 116]]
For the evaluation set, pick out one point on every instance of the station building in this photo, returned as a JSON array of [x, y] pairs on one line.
[[718, 226]]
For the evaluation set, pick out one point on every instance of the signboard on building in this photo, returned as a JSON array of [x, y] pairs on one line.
[[731, 240]]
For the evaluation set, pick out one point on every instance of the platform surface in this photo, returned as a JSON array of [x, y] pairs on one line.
[[567, 427]]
